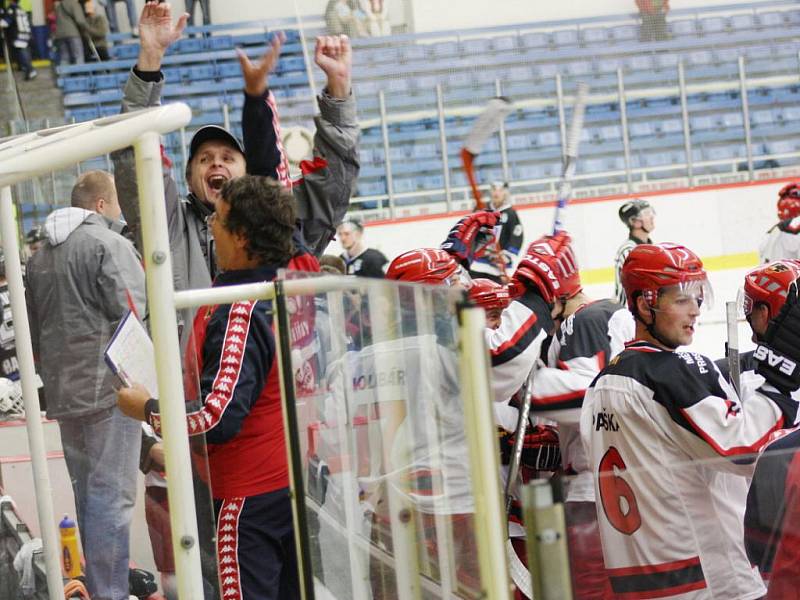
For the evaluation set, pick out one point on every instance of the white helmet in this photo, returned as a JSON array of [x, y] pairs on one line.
[[11, 406]]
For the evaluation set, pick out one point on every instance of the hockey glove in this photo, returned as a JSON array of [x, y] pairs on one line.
[[778, 355], [540, 449], [471, 236]]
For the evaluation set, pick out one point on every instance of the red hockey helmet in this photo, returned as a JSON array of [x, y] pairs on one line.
[[424, 265], [488, 294], [550, 265], [650, 268], [769, 284], [789, 201]]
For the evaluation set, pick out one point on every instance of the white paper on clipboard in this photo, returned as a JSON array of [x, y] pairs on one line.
[[130, 354]]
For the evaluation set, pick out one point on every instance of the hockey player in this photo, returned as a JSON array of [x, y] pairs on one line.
[[499, 259], [766, 289], [639, 217], [590, 334], [653, 422], [782, 239], [359, 260]]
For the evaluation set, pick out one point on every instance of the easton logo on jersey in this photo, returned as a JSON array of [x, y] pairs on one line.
[[773, 359]]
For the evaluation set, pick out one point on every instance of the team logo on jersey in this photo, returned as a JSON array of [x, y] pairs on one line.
[[773, 359]]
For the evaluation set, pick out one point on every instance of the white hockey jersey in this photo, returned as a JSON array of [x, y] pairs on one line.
[[585, 342], [667, 435], [516, 345], [781, 241]]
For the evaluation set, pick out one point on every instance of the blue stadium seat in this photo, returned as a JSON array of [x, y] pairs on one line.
[[762, 117], [535, 39], [504, 43], [480, 46], [445, 49], [771, 19], [608, 64], [578, 68], [563, 38], [404, 185], [432, 182], [198, 73], [711, 25], [625, 33], [610, 133], [595, 35], [724, 55], [105, 82], [683, 28], [546, 71], [188, 45], [701, 123], [522, 73], [640, 62], [670, 126], [699, 58], [413, 53], [123, 51], [781, 147], [732, 119], [424, 150], [645, 129], [667, 61], [76, 83], [548, 138], [743, 22], [219, 42]]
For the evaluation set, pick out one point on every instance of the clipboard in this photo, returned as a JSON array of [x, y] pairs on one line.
[[130, 355]]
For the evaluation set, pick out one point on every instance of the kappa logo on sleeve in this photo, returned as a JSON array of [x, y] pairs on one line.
[[773, 359]]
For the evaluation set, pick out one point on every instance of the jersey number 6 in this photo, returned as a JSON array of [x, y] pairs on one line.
[[619, 502]]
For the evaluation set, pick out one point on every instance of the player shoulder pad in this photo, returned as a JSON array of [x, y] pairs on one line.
[[790, 226]]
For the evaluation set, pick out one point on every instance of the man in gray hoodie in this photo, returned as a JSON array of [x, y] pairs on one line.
[[81, 283]]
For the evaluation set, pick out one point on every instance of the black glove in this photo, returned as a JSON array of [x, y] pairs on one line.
[[778, 355]]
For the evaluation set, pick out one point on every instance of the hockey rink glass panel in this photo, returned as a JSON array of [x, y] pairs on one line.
[[380, 426]]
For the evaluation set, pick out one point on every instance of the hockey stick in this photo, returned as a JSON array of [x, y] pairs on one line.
[[571, 158], [487, 123], [732, 349], [519, 573]]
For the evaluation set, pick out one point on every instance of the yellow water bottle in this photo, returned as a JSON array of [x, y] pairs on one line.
[[70, 558]]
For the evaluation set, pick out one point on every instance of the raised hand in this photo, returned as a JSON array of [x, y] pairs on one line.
[[255, 74], [335, 57], [157, 33]]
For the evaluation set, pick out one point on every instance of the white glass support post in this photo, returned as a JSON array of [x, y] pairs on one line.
[[163, 327], [483, 462], [30, 397]]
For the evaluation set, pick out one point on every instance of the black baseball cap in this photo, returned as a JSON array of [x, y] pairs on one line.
[[213, 132]]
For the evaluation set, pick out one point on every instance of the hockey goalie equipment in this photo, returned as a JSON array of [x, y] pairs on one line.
[[489, 294], [789, 201], [778, 355], [424, 265], [769, 284], [650, 268], [549, 265], [471, 236]]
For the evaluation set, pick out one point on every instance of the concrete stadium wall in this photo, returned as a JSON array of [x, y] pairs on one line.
[[722, 224]]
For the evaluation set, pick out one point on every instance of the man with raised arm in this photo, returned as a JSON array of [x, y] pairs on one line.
[[216, 156]]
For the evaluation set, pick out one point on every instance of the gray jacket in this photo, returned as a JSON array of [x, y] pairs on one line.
[[70, 20], [79, 285], [322, 196]]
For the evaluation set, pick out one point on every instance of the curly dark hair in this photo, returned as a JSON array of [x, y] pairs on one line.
[[262, 211]]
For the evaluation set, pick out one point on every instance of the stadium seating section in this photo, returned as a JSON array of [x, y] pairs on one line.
[[522, 62]]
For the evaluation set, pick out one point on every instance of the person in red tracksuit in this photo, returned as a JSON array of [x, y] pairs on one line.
[[240, 415]]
